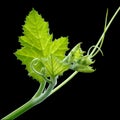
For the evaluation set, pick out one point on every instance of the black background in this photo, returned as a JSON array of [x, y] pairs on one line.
[[94, 95]]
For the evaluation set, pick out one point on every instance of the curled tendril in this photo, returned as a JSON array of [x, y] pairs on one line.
[[98, 49], [33, 63]]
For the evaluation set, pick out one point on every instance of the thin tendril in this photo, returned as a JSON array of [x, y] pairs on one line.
[[98, 49], [100, 41]]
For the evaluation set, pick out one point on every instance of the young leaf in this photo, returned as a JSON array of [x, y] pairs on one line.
[[37, 42], [78, 61], [75, 54], [83, 65]]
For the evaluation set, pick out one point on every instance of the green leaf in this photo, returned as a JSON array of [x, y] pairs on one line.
[[36, 34], [26, 55], [54, 66], [59, 47], [37, 42]]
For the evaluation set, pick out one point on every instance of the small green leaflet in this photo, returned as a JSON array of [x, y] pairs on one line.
[[78, 61], [75, 54], [37, 42]]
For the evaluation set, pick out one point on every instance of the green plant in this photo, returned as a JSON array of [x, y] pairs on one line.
[[45, 59]]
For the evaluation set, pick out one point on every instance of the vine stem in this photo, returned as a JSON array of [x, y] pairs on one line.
[[63, 83], [37, 98], [19, 111], [31, 103], [40, 89]]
